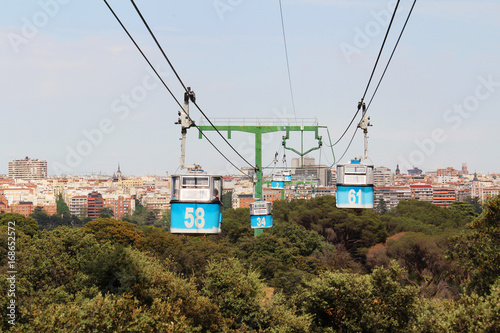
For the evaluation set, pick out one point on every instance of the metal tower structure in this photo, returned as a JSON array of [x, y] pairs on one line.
[[261, 126]]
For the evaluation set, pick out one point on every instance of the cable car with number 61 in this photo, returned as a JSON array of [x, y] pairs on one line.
[[195, 206], [354, 185]]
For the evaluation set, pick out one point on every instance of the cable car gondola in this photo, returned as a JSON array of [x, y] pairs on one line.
[[354, 185], [287, 175], [195, 205], [261, 214], [278, 181]]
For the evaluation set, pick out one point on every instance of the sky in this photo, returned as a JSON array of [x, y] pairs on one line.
[[76, 92]]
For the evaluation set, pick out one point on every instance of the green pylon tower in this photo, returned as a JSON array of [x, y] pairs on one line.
[[258, 128]]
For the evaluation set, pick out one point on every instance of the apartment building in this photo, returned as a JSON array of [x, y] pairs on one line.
[[242, 200], [158, 202], [78, 205], [29, 169], [23, 207], [120, 205], [422, 192], [271, 195], [392, 195], [95, 203], [383, 176], [443, 196]]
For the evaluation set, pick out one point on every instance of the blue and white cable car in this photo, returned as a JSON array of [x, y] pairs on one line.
[[261, 214], [195, 207], [278, 181], [354, 185], [287, 175]]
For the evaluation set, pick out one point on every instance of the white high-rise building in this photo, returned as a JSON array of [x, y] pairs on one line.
[[29, 169], [307, 161], [383, 176]]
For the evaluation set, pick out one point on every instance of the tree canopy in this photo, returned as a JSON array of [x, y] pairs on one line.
[[318, 269]]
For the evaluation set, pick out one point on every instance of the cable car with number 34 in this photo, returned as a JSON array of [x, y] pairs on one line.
[[261, 214], [195, 206]]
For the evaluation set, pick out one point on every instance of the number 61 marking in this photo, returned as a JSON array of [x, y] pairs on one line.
[[351, 196], [197, 218]]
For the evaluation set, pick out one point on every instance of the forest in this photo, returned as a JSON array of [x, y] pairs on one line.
[[416, 268]]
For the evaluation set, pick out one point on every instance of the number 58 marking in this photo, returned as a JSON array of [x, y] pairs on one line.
[[197, 218]]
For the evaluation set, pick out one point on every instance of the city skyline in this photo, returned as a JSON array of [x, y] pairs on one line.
[[117, 173], [78, 94]]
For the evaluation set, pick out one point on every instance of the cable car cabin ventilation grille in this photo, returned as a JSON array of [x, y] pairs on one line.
[[355, 179]]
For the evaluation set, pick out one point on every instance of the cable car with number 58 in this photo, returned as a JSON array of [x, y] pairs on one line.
[[195, 206]]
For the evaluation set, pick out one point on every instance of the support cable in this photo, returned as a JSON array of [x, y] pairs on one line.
[[385, 69], [164, 84], [381, 49], [331, 146], [142, 53], [352, 138], [287, 62], [157, 43], [373, 72], [390, 58], [184, 86]]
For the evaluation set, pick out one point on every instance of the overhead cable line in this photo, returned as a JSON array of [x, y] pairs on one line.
[[330, 145], [142, 53], [371, 76], [380, 52], [349, 145], [386, 66], [287, 62], [390, 58], [158, 44], [348, 126], [164, 84], [183, 85], [385, 69], [217, 149]]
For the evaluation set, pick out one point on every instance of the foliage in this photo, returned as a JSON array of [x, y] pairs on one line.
[[106, 213], [27, 225], [477, 249], [235, 290], [62, 207], [195, 252], [471, 313], [381, 206], [107, 229], [319, 269], [49, 222], [142, 215], [423, 256], [356, 230], [464, 208], [351, 302], [240, 295], [107, 314], [227, 200], [421, 216], [478, 208], [68, 266]]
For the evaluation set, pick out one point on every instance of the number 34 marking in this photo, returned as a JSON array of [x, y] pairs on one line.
[[193, 217], [261, 221]]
